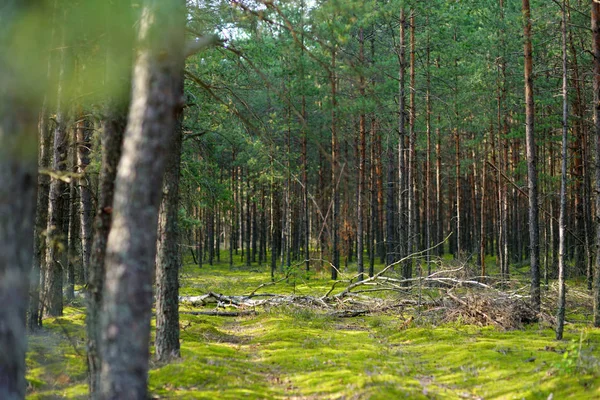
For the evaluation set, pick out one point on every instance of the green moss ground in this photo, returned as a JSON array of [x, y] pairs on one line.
[[295, 353]]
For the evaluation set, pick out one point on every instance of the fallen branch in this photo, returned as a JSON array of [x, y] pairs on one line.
[[349, 313], [220, 313], [464, 303], [387, 268]]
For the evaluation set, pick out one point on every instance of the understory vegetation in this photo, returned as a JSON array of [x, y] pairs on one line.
[[435, 350]]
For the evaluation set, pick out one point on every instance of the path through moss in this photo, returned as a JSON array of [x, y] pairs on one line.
[[294, 353]]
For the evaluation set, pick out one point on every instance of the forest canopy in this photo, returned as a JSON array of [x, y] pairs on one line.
[[423, 155]]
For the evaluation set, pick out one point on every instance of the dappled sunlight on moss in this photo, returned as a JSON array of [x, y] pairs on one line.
[[56, 366], [493, 364], [294, 352]]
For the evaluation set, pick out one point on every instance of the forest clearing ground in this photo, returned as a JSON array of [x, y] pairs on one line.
[[290, 352]]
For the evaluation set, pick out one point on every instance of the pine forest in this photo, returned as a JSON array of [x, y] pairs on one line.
[[299, 199]]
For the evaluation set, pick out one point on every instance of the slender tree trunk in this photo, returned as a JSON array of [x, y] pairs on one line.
[[389, 209], [233, 215], [131, 247], [373, 236], [254, 228], [534, 235], [411, 209], [218, 233], [335, 216], [439, 227], [275, 228], [34, 320], [482, 213], [596, 109], [72, 227], [304, 134], [560, 315], [459, 238], [361, 170], [248, 221], [403, 182], [84, 143], [57, 236], [428, 155]]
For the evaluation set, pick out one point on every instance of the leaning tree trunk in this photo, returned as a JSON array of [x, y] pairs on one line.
[[596, 108], [167, 254], [131, 247], [18, 174], [534, 231]]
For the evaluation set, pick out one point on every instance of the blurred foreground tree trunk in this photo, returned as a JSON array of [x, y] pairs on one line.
[[18, 174], [131, 247], [119, 39]]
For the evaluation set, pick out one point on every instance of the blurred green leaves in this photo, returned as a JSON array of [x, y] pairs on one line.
[[92, 40]]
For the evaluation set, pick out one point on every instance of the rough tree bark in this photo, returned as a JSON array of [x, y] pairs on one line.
[[167, 253], [131, 247]]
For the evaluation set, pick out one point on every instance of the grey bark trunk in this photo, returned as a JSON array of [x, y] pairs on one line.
[[167, 254], [131, 247]]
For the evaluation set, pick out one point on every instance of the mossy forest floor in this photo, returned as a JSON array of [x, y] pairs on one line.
[[302, 353]]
